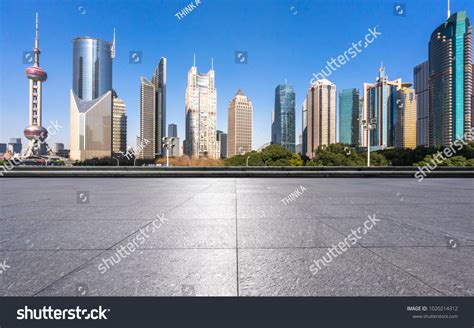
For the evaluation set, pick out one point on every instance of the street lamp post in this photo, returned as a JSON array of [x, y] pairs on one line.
[[369, 126], [168, 144]]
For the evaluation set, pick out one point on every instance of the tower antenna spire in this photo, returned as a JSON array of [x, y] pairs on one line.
[[212, 63], [112, 47], [449, 9], [194, 60]]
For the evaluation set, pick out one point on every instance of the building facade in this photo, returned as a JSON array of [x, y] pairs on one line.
[[201, 115], [283, 117], [222, 139], [406, 131], [148, 120], [304, 128], [420, 78], [321, 117], [450, 80], [240, 121], [380, 105], [91, 99], [172, 130], [119, 125], [349, 114], [159, 81]]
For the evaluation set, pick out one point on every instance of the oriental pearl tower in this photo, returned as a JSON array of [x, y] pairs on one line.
[[35, 133]]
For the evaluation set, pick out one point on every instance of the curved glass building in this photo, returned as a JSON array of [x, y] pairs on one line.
[[92, 67], [283, 125], [450, 80]]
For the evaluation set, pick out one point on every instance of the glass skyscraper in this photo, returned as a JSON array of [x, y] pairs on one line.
[[349, 116], [283, 125], [450, 80]]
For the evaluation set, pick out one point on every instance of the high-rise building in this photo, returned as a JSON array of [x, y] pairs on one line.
[[15, 145], [159, 81], [91, 98], [201, 115], [148, 121], [222, 140], [283, 118], [304, 128], [420, 78], [321, 107], [58, 147], [3, 148], [380, 105], [349, 112], [405, 134], [119, 125], [172, 130], [239, 118], [450, 80], [35, 133]]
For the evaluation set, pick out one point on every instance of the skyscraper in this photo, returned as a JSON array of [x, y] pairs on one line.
[[304, 128], [239, 118], [147, 120], [119, 125], [405, 135], [450, 80], [172, 130], [159, 81], [201, 115], [35, 133], [283, 123], [420, 78], [380, 104], [321, 118], [349, 116], [91, 98], [222, 139]]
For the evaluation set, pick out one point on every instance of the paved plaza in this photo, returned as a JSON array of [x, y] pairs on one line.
[[234, 236]]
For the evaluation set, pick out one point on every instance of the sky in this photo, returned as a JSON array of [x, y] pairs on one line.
[[283, 39]]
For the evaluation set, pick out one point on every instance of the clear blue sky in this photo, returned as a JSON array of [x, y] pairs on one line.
[[284, 39]]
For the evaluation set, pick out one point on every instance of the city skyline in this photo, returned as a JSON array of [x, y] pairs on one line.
[[262, 103]]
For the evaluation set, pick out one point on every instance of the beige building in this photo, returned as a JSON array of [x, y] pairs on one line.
[[201, 115], [320, 116], [406, 117], [239, 134], [147, 120], [91, 127], [119, 126]]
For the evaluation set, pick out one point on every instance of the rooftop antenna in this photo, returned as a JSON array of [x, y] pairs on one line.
[[36, 50], [286, 81], [112, 47], [449, 9], [212, 63], [194, 60]]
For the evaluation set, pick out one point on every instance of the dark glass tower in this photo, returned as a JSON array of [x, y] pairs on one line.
[[283, 125], [450, 80], [349, 116], [159, 81]]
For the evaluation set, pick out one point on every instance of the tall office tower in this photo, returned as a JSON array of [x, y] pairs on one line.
[[91, 98], [239, 119], [159, 81], [405, 134], [349, 109], [3, 148], [201, 114], [35, 133], [283, 124], [222, 140], [147, 141], [450, 80], [119, 125], [172, 130], [420, 78], [321, 105], [304, 128], [380, 105], [15, 145]]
